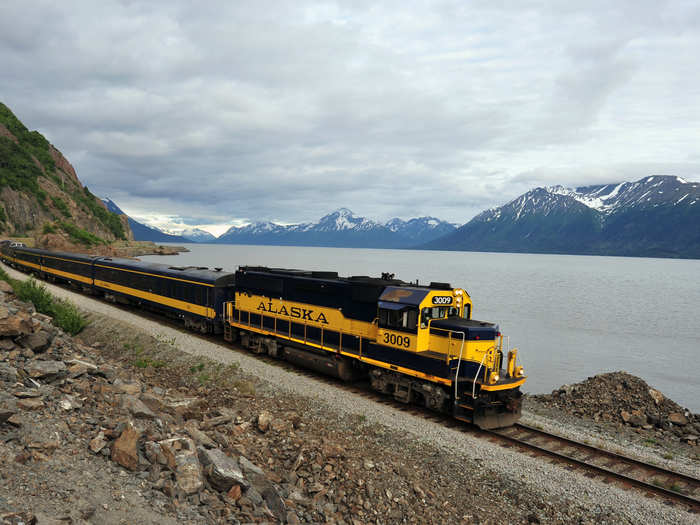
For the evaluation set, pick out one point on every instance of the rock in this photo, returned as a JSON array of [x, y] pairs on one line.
[[37, 342], [637, 420], [31, 403], [98, 442], [47, 370], [8, 407], [70, 403], [14, 325], [197, 435], [264, 419], [275, 503], [678, 419], [127, 387], [137, 408], [248, 467], [657, 396], [181, 456], [234, 493], [222, 471], [8, 374], [153, 402], [215, 422], [186, 408], [7, 344], [125, 448], [5, 287], [77, 368]]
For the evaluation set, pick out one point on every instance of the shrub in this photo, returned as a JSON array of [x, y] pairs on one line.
[[49, 228], [79, 235], [65, 314], [61, 206]]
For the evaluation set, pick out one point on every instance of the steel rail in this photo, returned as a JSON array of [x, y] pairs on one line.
[[693, 483]]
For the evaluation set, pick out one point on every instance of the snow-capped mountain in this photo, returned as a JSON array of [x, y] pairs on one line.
[[340, 228], [141, 231], [421, 229], [194, 234], [657, 216]]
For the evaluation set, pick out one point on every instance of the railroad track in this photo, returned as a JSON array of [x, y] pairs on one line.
[[671, 486]]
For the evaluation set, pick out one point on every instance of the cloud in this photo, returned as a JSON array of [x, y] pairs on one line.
[[221, 112]]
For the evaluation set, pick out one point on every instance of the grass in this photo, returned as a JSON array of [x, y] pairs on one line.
[[64, 313], [79, 235]]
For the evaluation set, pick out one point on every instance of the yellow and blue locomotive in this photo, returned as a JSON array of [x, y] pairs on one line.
[[416, 343]]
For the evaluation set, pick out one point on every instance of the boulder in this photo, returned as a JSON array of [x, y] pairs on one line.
[[47, 370], [5, 287], [678, 419], [181, 456], [17, 324], [125, 449], [137, 408], [8, 374], [197, 435], [37, 342], [221, 470]]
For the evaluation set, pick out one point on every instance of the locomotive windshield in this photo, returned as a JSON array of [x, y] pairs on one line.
[[405, 319]]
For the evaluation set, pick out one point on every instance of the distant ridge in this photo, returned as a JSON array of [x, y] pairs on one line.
[[657, 216], [341, 228], [141, 231]]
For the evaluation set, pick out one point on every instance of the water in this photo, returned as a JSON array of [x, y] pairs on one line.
[[570, 316]]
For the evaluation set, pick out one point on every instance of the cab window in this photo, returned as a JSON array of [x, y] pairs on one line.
[[405, 320], [433, 312]]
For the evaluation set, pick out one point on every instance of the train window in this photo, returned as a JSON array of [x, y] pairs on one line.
[[467, 311], [435, 312], [404, 320]]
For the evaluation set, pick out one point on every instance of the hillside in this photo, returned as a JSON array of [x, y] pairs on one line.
[[41, 195], [657, 216]]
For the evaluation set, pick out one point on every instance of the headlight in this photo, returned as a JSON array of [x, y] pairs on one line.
[[494, 378]]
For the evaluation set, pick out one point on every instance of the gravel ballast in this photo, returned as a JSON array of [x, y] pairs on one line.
[[552, 482]]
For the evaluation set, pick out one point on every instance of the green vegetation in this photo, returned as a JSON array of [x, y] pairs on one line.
[[79, 235], [18, 170], [65, 314], [31, 142], [3, 217], [110, 220], [61, 205], [48, 228]]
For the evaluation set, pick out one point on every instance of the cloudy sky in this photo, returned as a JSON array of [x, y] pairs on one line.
[[223, 112]]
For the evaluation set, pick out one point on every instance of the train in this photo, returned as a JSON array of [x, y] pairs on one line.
[[417, 343]]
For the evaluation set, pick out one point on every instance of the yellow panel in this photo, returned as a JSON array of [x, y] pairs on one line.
[[167, 301], [311, 315], [67, 275]]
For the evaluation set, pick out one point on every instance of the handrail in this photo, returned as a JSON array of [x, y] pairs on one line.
[[479, 370]]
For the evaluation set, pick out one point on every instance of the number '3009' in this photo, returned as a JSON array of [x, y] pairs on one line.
[[398, 340]]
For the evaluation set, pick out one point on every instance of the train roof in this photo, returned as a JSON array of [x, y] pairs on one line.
[[192, 273], [384, 281]]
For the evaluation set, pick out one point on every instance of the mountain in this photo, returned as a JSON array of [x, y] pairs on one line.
[[141, 231], [341, 228], [657, 216], [421, 229], [196, 235], [41, 195]]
